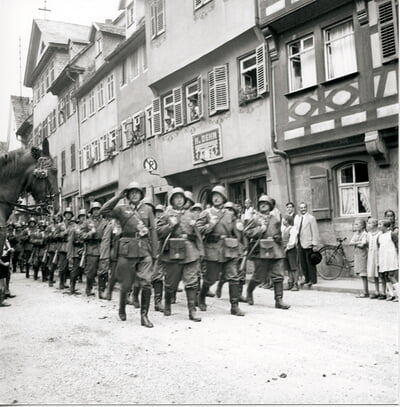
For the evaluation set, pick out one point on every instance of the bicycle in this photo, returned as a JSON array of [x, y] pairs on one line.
[[334, 261]]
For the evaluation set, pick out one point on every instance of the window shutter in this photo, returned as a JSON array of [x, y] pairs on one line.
[[73, 164], [261, 70], [119, 138], [160, 16], [153, 20], [178, 109], [211, 93], [321, 203], [156, 116], [221, 88], [387, 30], [142, 119], [200, 96], [80, 160]]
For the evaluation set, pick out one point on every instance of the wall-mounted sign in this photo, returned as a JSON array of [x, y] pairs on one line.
[[206, 146], [150, 164]]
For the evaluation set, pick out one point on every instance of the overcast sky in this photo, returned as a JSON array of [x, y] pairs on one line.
[[16, 21]]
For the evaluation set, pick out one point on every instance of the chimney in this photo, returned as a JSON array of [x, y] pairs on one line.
[[108, 21]]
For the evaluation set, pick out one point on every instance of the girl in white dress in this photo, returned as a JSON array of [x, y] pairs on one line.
[[372, 262], [388, 258], [359, 242]]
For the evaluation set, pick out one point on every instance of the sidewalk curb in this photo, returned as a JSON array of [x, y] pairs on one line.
[[335, 289]]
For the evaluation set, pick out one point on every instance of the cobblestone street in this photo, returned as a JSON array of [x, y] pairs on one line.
[[328, 348]]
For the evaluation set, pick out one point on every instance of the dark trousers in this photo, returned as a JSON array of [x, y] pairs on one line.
[[62, 267], [15, 261], [92, 263], [309, 270], [75, 270], [175, 272]]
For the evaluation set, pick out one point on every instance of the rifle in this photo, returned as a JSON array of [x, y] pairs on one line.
[[55, 258], [83, 258], [30, 260], [45, 255]]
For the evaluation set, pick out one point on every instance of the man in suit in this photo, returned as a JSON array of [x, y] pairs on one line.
[[308, 241]]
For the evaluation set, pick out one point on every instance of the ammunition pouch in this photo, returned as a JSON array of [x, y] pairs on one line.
[[269, 249], [176, 248], [213, 238], [231, 248], [129, 247]]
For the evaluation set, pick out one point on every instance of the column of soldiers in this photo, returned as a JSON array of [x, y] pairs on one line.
[[148, 248]]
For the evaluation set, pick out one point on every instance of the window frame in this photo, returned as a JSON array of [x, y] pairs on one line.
[[63, 164], [130, 14], [163, 110], [100, 96], [99, 45], [154, 18], [84, 109], [110, 85], [196, 81], [92, 103]]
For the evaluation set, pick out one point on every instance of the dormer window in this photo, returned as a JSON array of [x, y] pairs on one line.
[[130, 14], [99, 46]]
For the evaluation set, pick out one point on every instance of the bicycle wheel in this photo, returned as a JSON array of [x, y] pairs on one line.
[[332, 263]]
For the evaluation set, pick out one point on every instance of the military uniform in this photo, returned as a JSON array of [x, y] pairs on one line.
[[114, 243], [75, 253], [61, 234], [12, 240], [222, 250], [39, 248], [264, 232], [19, 249], [28, 245], [52, 246], [105, 253], [137, 248], [183, 247]]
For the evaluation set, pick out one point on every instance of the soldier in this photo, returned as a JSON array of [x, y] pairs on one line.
[[266, 250], [221, 248], [137, 246], [19, 248], [61, 234], [52, 247], [28, 246], [39, 248], [115, 235], [189, 200], [182, 249], [76, 251], [105, 252], [12, 240], [92, 232]]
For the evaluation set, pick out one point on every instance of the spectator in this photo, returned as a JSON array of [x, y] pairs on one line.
[[249, 211], [372, 260], [308, 241], [4, 270], [289, 240]]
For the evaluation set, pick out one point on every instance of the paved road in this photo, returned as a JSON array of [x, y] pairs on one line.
[[331, 347]]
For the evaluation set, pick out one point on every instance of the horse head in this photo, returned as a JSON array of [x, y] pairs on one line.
[[42, 180]]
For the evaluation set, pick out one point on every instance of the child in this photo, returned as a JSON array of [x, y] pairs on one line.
[[372, 262], [289, 241], [4, 268], [388, 261], [359, 241]]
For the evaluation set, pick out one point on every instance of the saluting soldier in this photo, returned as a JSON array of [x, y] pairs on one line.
[[265, 248], [28, 245], [19, 248], [92, 232], [76, 251], [182, 248], [39, 247], [52, 247], [221, 247], [105, 253], [137, 246]]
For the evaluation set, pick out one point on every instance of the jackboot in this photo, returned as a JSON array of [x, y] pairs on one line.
[[202, 297], [218, 291], [45, 273], [89, 286], [158, 290], [72, 285], [102, 286], [191, 302], [173, 297], [35, 272], [122, 303], [27, 271], [250, 288], [144, 308], [51, 276], [241, 298], [278, 289], [135, 297], [167, 305], [234, 299]]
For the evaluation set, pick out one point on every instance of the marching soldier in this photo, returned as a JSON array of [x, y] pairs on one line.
[[28, 246], [137, 246], [76, 250], [159, 270], [39, 248], [92, 232], [221, 247], [12, 240], [19, 248], [181, 251], [266, 250], [52, 247], [105, 253], [115, 235], [189, 200]]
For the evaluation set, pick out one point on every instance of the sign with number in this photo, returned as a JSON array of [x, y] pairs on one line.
[[206, 146], [150, 164]]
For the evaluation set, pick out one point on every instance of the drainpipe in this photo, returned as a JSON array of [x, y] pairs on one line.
[[79, 149]]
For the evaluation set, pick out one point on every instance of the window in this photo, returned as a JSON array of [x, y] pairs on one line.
[[123, 72], [112, 141], [135, 64], [71, 104], [302, 71], [42, 87], [45, 129], [52, 76], [126, 128], [84, 109], [157, 18], [353, 185], [100, 95], [91, 103], [130, 15], [63, 166], [149, 120], [61, 112], [86, 156], [218, 91], [104, 146], [144, 57], [387, 26], [95, 153], [253, 79], [200, 3], [99, 46], [168, 113], [194, 100], [110, 87], [340, 50], [73, 158]]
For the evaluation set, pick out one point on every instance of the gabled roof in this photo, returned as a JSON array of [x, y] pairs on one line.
[[22, 109], [51, 34], [108, 29]]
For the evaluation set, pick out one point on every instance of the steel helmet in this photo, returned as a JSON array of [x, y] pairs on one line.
[[94, 205], [135, 185], [160, 208], [189, 196], [230, 205], [82, 212], [18, 225], [220, 189], [42, 223], [32, 220], [68, 210], [266, 198], [198, 206], [148, 201], [175, 191]]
